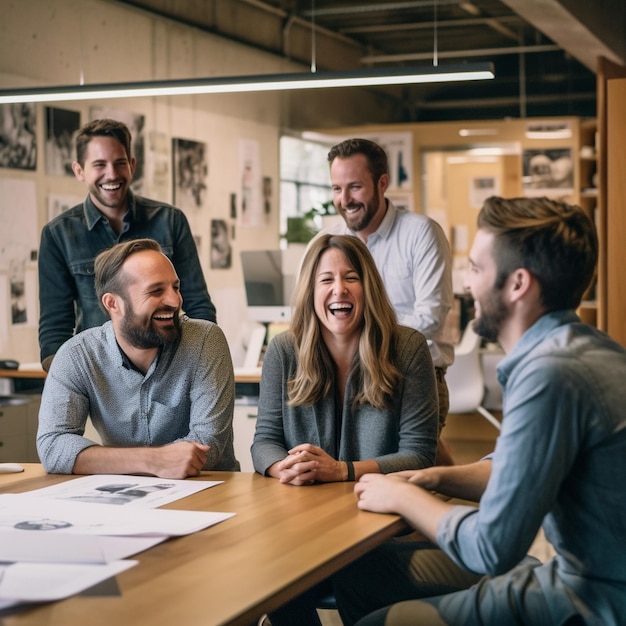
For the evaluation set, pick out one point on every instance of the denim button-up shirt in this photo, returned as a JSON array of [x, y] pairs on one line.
[[69, 246], [559, 462]]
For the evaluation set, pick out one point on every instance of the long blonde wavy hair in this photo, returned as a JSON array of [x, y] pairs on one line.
[[375, 362]]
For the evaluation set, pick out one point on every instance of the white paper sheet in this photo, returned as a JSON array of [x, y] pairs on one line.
[[24, 513], [39, 546], [44, 582], [61, 540], [135, 491]]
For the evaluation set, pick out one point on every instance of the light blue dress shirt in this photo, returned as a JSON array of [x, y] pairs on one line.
[[559, 462]]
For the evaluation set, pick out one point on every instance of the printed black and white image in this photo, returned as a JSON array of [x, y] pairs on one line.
[[251, 211], [190, 173], [402, 201], [138, 491], [61, 128], [119, 493], [548, 172], [135, 123], [399, 149], [18, 257], [19, 309], [18, 136], [41, 524], [221, 251], [57, 203], [159, 166], [267, 195], [481, 188]]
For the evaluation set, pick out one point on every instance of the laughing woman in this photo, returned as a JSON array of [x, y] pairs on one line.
[[345, 391]]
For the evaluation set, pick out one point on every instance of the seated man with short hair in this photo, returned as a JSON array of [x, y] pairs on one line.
[[159, 387], [559, 462]]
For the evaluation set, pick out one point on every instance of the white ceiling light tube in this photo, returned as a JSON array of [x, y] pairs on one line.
[[264, 82]]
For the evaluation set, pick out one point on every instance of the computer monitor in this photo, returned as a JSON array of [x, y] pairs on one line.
[[269, 277]]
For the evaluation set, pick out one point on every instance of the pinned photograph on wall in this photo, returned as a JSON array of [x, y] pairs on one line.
[[399, 149], [61, 128], [190, 173], [402, 201], [548, 172], [159, 166], [548, 129], [135, 123], [18, 136], [221, 250], [17, 274], [267, 195], [19, 239], [58, 203], [251, 212], [481, 188]]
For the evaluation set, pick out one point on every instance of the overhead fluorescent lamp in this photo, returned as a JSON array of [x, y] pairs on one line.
[[264, 82]]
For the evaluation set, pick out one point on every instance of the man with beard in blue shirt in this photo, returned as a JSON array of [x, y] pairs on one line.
[[559, 462]]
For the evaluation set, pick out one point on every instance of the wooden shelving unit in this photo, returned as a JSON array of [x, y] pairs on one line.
[[588, 200]]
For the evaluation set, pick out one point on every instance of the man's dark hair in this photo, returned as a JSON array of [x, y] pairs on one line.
[[556, 242], [108, 275], [101, 128], [376, 157]]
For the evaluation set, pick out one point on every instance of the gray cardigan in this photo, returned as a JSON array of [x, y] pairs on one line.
[[403, 436]]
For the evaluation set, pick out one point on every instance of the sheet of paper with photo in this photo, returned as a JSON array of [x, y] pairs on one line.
[[21, 513], [122, 490]]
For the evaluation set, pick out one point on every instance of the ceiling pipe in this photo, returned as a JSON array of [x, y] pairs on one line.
[[457, 54]]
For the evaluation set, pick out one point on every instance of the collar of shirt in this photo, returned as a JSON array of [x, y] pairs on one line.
[[127, 363], [93, 215], [534, 336], [385, 226]]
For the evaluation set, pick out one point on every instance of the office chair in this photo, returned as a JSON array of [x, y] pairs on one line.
[[465, 378]]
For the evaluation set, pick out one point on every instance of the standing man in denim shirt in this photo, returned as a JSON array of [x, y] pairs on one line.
[[110, 214], [559, 462]]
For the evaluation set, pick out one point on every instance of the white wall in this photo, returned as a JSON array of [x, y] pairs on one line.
[[57, 42]]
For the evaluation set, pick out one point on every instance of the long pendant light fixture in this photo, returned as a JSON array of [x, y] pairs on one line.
[[263, 82]]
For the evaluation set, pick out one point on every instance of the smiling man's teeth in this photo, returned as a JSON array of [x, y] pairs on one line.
[[110, 187]]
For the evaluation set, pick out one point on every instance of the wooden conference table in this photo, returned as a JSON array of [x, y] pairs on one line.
[[282, 540]]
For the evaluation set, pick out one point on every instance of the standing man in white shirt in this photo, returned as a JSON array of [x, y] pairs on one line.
[[411, 252]]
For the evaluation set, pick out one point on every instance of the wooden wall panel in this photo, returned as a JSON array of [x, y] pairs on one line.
[[616, 210]]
